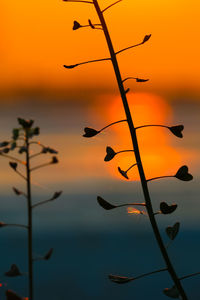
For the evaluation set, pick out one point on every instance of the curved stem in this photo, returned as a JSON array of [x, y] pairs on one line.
[[131, 204], [21, 175], [159, 177], [113, 124], [13, 158], [122, 151], [130, 47], [151, 125], [16, 225], [110, 6], [36, 154], [83, 1], [40, 166], [150, 273], [85, 62], [137, 155], [190, 275], [41, 203], [131, 167]]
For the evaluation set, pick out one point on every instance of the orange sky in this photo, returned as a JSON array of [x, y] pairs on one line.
[[37, 39]]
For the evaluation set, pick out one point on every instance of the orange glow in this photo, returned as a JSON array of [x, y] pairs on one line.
[[158, 157], [135, 211], [37, 39]]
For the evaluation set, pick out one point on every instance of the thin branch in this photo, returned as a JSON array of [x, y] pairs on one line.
[[130, 47], [160, 177], [131, 204], [131, 167], [110, 6], [78, 1], [190, 275], [13, 158], [86, 62], [40, 166], [15, 225], [112, 124], [124, 151], [42, 202], [36, 154], [143, 126], [136, 78], [116, 278], [20, 174]]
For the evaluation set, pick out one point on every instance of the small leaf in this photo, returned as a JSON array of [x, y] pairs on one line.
[[90, 132], [10, 295], [5, 150], [56, 195], [2, 224], [70, 66], [54, 160], [52, 151], [183, 174], [167, 209], [13, 272], [22, 149], [76, 25], [13, 146], [91, 25], [146, 38], [25, 123], [13, 165], [15, 133], [177, 130], [173, 231], [123, 173], [4, 144], [172, 292], [17, 192], [119, 279], [127, 90], [36, 131], [141, 80], [48, 255], [103, 203], [110, 154]]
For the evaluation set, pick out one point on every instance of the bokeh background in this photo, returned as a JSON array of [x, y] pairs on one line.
[[90, 243]]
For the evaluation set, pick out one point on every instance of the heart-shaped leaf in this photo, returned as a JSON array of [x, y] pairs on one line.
[[2, 224], [173, 231], [167, 209], [17, 192], [123, 173], [177, 130], [22, 149], [146, 38], [103, 203], [76, 25], [183, 174], [141, 80], [13, 272], [172, 292], [25, 123], [90, 132], [48, 255], [56, 195], [10, 295], [119, 279], [5, 150], [15, 133], [4, 144], [13, 146], [54, 160], [110, 154], [13, 165]]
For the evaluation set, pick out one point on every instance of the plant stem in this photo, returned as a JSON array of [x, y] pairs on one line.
[[137, 155], [151, 125], [112, 124], [29, 205]]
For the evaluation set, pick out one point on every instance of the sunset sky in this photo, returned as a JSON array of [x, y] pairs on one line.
[[37, 39]]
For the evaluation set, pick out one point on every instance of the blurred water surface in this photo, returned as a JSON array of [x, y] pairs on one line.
[[90, 243]]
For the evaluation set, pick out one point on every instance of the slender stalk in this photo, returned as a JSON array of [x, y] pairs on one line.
[[110, 6], [137, 155], [159, 177], [151, 125], [113, 124], [41, 203], [150, 273], [124, 151], [131, 167], [131, 204], [13, 158], [190, 275], [29, 206], [17, 225]]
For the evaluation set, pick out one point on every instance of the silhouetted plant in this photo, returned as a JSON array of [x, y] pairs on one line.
[[22, 141], [177, 290]]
